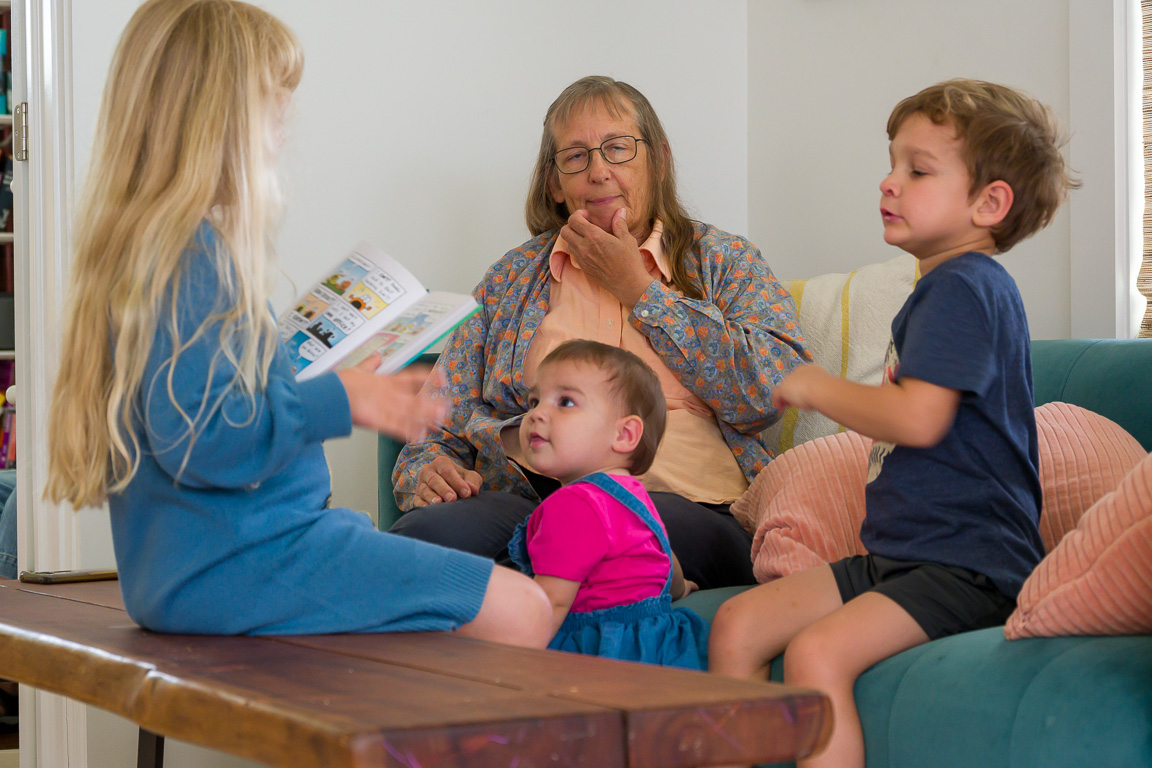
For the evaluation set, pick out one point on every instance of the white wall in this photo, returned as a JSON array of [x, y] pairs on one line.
[[822, 82], [416, 126]]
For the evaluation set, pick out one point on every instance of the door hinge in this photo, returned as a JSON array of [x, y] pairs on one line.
[[20, 131]]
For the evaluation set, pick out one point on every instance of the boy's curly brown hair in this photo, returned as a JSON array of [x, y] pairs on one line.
[[1006, 135]]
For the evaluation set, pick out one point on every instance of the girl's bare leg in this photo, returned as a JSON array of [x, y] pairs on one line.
[[515, 611]]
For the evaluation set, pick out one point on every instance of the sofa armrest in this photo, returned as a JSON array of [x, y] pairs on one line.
[[387, 451]]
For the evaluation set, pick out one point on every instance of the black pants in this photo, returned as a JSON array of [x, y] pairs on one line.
[[714, 550]]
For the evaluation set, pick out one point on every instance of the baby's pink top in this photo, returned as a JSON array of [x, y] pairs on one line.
[[582, 534]]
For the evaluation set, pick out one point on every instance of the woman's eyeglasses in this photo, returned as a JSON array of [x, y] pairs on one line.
[[616, 150]]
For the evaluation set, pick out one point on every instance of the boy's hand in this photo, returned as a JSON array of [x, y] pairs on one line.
[[799, 387]]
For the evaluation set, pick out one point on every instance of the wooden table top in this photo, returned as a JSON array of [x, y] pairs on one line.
[[421, 700]]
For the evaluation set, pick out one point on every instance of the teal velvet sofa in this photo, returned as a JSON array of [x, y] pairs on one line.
[[976, 700]]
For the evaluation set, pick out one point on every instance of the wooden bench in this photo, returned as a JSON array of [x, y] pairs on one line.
[[404, 700]]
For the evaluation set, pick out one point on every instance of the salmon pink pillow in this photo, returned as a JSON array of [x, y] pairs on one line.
[[1083, 456], [1098, 579], [807, 505]]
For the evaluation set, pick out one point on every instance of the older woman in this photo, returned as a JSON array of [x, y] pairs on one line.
[[614, 258]]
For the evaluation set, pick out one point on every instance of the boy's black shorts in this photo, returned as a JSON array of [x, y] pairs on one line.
[[943, 599]]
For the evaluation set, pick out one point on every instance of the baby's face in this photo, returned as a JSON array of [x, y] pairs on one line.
[[572, 422]]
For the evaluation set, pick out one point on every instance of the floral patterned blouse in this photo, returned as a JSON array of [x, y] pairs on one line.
[[729, 348]]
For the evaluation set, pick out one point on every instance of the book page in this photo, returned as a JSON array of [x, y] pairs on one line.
[[417, 329], [363, 293]]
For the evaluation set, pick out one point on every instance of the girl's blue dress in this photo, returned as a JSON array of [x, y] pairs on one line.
[[650, 630]]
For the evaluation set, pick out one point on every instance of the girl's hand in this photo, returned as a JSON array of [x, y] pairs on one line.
[[444, 480], [393, 405]]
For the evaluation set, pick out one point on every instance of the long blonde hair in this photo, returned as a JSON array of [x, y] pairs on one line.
[[187, 131], [543, 214]]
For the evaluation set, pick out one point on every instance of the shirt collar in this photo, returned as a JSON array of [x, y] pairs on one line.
[[651, 250]]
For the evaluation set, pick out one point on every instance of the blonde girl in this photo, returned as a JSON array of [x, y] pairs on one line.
[[175, 402]]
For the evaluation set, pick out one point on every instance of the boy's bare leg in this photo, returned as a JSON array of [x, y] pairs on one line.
[[754, 627], [831, 653]]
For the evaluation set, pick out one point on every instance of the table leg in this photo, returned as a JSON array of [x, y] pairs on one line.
[[150, 750]]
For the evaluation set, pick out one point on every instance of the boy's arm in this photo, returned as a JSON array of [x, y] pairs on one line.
[[910, 412], [561, 593]]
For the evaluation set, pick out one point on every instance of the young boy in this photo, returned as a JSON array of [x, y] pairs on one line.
[[597, 545], [953, 495]]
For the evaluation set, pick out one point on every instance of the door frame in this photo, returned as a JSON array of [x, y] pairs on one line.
[[53, 730]]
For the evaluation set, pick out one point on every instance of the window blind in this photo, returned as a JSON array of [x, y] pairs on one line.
[[1144, 276]]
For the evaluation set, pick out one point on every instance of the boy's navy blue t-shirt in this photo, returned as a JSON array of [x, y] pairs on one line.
[[973, 500]]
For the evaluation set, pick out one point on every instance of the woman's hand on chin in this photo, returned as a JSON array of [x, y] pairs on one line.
[[611, 259]]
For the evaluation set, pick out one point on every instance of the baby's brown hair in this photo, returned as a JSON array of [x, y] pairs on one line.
[[1007, 136], [633, 383]]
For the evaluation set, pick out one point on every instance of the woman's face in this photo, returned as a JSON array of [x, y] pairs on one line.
[[603, 188]]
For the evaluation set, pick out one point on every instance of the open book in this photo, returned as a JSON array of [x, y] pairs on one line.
[[369, 303]]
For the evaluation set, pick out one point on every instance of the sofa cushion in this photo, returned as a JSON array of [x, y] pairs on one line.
[[846, 321], [1098, 579], [1082, 457], [807, 505], [977, 699]]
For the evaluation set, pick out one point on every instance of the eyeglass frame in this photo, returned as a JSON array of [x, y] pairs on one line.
[[599, 149]]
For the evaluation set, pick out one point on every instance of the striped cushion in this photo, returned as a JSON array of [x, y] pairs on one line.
[[846, 320], [806, 507], [1083, 456], [1098, 579]]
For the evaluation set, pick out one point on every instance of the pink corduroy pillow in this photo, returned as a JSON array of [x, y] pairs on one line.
[[1083, 456], [1098, 579], [807, 505]]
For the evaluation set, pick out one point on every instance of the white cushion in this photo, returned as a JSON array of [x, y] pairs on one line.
[[846, 320]]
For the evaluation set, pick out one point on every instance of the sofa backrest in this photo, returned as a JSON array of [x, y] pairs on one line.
[[1112, 377]]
